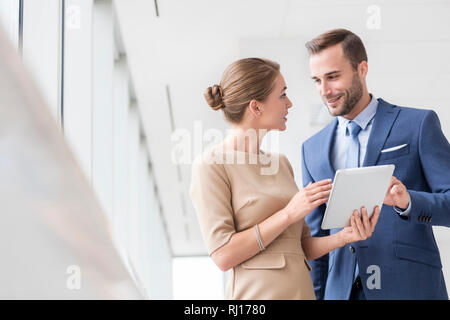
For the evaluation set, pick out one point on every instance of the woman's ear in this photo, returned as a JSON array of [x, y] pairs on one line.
[[254, 108]]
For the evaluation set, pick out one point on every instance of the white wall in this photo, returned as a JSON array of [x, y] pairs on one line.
[[42, 30], [77, 119], [102, 104]]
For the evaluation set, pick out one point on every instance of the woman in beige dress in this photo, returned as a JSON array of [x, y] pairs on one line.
[[250, 210]]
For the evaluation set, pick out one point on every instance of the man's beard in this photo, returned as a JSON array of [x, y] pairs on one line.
[[352, 97]]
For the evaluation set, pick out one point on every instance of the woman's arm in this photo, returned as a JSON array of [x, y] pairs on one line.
[[244, 245], [360, 228]]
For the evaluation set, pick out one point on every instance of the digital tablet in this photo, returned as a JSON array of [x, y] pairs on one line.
[[353, 189]]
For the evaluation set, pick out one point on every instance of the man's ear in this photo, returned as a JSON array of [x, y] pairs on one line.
[[254, 108], [363, 68]]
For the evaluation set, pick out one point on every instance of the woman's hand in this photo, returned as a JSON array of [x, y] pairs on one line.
[[308, 198], [360, 228]]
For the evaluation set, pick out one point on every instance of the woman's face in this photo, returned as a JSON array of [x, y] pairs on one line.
[[275, 108]]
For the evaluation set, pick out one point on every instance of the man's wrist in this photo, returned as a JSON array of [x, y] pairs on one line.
[[403, 212], [404, 206]]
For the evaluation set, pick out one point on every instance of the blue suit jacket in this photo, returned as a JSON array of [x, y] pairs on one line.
[[403, 248]]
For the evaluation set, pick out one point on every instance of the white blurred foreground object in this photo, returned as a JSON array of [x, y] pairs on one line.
[[55, 240]]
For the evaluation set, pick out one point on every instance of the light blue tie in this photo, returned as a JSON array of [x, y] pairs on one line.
[[353, 147], [353, 159]]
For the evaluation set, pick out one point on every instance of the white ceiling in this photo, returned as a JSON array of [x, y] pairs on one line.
[[187, 47]]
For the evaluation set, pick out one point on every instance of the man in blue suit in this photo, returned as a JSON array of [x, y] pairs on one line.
[[401, 260]]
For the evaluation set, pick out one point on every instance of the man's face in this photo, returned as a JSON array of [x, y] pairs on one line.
[[338, 84]]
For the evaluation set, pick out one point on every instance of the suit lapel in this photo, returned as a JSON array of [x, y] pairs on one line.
[[382, 124], [326, 144]]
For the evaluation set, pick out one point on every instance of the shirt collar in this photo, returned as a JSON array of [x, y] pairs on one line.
[[364, 117]]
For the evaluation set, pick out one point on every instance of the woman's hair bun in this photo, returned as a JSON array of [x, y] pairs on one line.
[[213, 96]]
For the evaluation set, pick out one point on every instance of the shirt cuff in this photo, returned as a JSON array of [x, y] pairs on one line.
[[405, 212]]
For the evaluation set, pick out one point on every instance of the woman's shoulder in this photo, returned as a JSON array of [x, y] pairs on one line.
[[210, 157], [283, 159], [207, 171], [209, 164]]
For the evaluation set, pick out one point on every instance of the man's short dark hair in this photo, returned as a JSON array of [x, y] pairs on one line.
[[351, 45]]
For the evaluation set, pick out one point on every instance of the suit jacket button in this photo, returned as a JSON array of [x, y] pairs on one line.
[[429, 219], [352, 249]]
